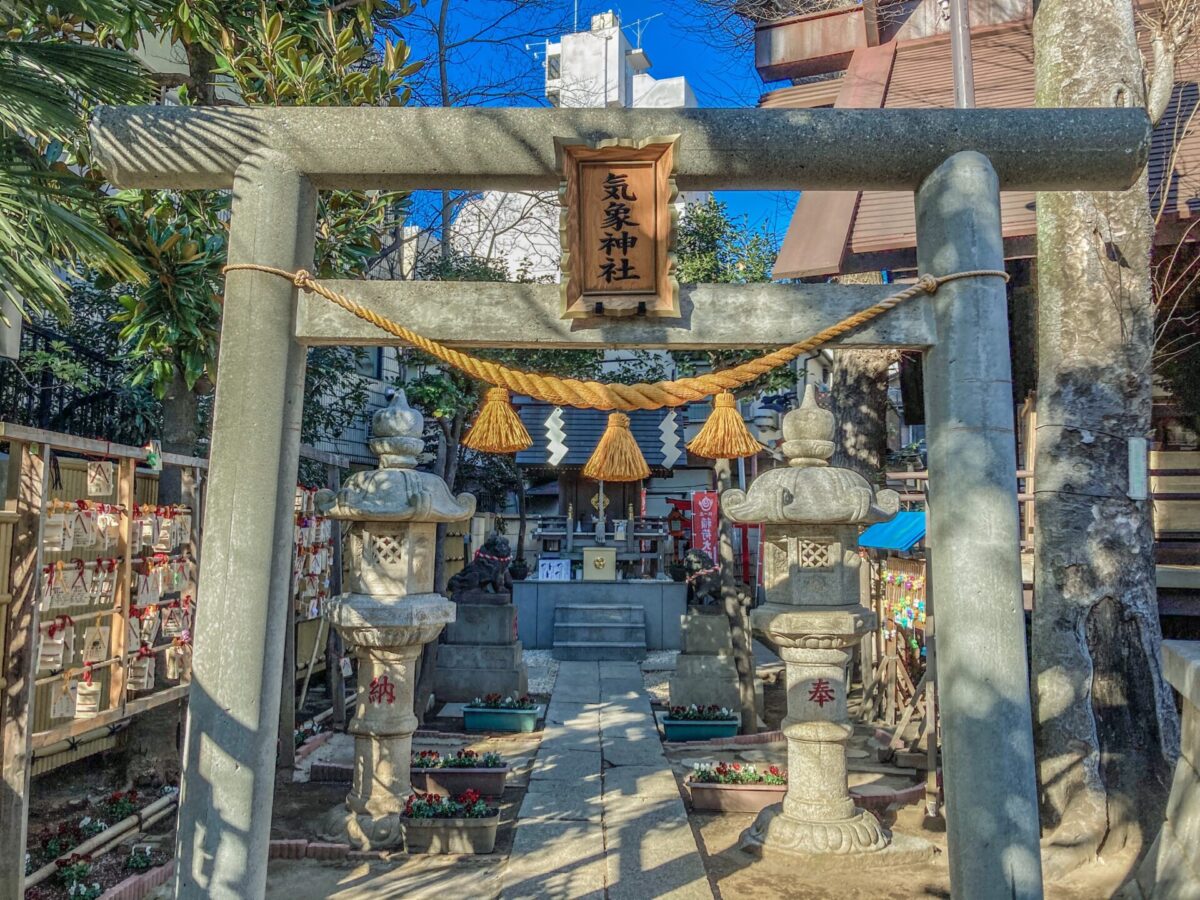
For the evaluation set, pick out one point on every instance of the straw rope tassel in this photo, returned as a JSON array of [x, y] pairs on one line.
[[724, 435], [497, 428], [617, 456]]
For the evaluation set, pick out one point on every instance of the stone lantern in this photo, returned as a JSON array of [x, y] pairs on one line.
[[388, 613], [812, 514]]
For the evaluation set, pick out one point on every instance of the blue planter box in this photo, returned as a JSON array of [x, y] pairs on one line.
[[699, 729], [477, 719]]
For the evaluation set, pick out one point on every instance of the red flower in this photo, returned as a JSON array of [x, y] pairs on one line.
[[737, 767], [470, 797], [774, 770]]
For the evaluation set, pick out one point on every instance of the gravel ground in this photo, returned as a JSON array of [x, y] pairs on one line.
[[543, 670], [657, 669]]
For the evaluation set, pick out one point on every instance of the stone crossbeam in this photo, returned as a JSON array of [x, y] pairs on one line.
[[514, 149], [715, 316]]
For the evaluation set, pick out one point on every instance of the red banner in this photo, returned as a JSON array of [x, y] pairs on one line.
[[705, 518]]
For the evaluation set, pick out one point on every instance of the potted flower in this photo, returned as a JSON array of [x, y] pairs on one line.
[[735, 787], [497, 713], [699, 723], [458, 773], [437, 824]]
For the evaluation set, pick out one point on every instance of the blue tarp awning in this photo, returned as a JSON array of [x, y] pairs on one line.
[[901, 533]]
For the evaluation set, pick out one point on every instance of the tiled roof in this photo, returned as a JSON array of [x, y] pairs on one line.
[[882, 230]]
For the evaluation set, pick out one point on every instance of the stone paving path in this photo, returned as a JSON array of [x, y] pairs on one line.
[[603, 817]]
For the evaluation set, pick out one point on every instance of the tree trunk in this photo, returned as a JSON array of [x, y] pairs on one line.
[[181, 431], [1106, 728], [202, 83], [859, 391], [736, 604], [859, 394]]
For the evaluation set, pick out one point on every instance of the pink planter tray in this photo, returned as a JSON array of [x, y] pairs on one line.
[[739, 798], [450, 782]]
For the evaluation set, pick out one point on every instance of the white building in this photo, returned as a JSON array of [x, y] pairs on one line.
[[587, 69]]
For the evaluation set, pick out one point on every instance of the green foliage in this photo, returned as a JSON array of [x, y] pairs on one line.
[[736, 773], [74, 871], [714, 248], [341, 393], [119, 805], [54, 68], [139, 859], [172, 323], [300, 54], [166, 295]]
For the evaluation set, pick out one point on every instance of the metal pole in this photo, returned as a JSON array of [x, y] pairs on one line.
[[983, 676], [245, 576], [960, 52]]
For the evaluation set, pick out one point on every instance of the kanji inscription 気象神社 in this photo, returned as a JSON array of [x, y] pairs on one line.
[[617, 229]]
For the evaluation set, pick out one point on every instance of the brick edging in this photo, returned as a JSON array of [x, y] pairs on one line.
[[763, 737], [135, 887], [301, 848], [312, 744], [330, 772]]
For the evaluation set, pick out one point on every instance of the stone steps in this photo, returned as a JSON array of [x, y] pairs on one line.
[[613, 613], [600, 632], [596, 631], [588, 651]]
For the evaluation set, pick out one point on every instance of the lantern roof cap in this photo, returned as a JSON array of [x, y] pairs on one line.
[[808, 491], [396, 491]]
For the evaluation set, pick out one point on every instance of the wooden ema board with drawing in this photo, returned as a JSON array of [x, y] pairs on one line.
[[618, 230]]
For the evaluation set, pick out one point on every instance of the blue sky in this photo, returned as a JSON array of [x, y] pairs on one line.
[[672, 34], [719, 77]]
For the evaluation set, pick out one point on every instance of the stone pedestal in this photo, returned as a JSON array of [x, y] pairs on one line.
[[386, 639], [811, 514], [481, 654], [704, 670], [388, 614], [817, 815]]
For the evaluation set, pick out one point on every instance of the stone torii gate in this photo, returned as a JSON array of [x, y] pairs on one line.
[[275, 160]]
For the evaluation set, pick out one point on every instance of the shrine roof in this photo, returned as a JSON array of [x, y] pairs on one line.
[[837, 232], [583, 429]]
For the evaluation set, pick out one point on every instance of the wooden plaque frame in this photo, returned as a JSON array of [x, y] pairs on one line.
[[655, 293]]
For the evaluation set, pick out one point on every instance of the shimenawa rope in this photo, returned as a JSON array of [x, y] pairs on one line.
[[624, 397]]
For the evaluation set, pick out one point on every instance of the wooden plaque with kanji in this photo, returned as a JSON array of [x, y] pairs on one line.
[[618, 229]]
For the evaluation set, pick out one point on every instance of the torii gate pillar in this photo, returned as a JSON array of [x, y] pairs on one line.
[[974, 542], [246, 568]]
